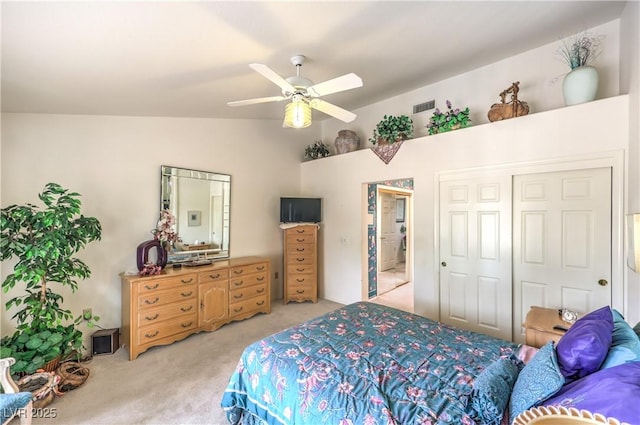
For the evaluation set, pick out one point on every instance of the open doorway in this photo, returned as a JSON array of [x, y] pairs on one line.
[[389, 248]]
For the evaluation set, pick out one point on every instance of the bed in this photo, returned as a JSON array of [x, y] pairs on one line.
[[369, 364]]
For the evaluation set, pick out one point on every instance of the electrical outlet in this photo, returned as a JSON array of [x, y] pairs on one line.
[[87, 314]]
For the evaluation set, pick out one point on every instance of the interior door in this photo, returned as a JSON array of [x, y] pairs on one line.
[[388, 248], [475, 255], [562, 241]]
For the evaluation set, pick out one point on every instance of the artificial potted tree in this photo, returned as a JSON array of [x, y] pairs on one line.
[[44, 242]]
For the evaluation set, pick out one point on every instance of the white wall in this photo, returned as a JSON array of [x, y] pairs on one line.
[[338, 180], [114, 162], [564, 133], [539, 72]]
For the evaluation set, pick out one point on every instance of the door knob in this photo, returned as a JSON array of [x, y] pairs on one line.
[[603, 282], [444, 264]]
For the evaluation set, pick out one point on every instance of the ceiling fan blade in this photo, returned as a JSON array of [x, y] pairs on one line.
[[345, 82], [257, 100], [275, 78], [333, 110]]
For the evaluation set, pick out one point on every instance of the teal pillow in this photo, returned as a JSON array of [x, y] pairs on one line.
[[491, 390], [625, 344], [539, 379], [11, 403]]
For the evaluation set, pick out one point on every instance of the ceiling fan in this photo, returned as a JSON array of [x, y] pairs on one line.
[[304, 94]]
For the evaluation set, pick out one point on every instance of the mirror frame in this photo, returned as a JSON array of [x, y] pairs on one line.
[[168, 174]]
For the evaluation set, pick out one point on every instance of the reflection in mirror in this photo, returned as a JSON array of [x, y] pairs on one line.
[[200, 202]]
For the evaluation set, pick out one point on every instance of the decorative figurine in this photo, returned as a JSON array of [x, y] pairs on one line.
[[515, 108]]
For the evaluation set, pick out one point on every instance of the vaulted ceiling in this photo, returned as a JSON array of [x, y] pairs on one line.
[[188, 59]]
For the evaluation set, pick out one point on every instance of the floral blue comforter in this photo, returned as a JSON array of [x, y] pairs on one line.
[[361, 364]]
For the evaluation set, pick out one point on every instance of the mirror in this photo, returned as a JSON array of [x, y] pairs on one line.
[[200, 202]]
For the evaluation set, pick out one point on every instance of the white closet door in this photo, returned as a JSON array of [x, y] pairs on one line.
[[562, 241], [475, 255]]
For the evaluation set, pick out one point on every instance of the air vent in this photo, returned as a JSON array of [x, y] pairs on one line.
[[424, 106]]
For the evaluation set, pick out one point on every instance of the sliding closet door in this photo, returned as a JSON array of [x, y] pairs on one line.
[[562, 241], [475, 255]]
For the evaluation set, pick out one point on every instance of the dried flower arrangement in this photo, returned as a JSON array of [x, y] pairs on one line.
[[581, 49]]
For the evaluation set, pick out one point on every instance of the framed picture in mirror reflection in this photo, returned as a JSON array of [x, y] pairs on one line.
[[195, 218]]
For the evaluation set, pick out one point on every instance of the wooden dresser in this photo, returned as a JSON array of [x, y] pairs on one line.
[[301, 263], [162, 309]]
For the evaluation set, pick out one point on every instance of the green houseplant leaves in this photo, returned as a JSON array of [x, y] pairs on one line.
[[44, 241], [392, 129]]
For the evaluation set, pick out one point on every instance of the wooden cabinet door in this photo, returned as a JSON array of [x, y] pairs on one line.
[[214, 304]]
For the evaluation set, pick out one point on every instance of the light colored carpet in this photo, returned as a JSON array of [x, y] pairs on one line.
[[180, 383]]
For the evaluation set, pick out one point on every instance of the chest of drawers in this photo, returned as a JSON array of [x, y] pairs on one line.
[[301, 264], [162, 309]]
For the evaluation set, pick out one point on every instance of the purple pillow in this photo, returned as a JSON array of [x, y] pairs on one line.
[[584, 347], [612, 392]]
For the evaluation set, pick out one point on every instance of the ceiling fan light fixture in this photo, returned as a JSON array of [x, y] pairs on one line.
[[297, 114]]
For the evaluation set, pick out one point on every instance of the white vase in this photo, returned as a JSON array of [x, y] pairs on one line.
[[580, 85]]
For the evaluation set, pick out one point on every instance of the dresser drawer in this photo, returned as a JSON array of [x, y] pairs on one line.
[[239, 271], [298, 239], [213, 275], [294, 269], [301, 231], [246, 306], [301, 291], [160, 330], [297, 280], [236, 295], [158, 314], [158, 298], [166, 283], [301, 249], [295, 259], [242, 282]]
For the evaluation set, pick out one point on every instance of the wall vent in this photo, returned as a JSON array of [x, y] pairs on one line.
[[424, 106]]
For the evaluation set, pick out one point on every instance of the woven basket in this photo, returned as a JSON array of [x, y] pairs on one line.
[[72, 375], [42, 385]]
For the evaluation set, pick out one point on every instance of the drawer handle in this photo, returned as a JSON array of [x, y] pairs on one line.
[[214, 276], [237, 297], [186, 325], [300, 231], [186, 281], [300, 291], [260, 303], [152, 302], [300, 280], [260, 291], [238, 310], [238, 283], [260, 268], [300, 270], [300, 249], [300, 259], [185, 309], [152, 318], [238, 271], [300, 239], [260, 278], [152, 335], [152, 287], [188, 294]]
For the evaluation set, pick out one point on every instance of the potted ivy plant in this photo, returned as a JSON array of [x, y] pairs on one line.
[[451, 119], [391, 129], [44, 242], [316, 150]]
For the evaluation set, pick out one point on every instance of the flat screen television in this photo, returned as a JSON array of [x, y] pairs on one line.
[[300, 210]]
